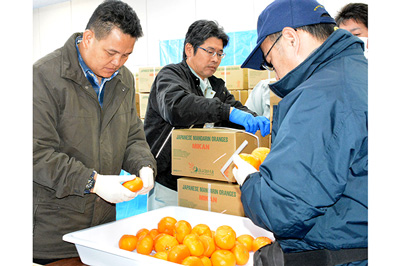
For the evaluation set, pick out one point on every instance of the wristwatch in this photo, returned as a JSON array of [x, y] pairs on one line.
[[90, 183]]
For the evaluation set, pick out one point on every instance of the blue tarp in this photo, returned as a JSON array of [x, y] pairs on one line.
[[239, 47]]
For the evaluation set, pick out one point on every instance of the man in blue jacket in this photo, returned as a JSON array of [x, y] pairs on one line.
[[311, 191]]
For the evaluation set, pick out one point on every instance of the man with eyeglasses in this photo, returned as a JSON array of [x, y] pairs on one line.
[[187, 94], [312, 189]]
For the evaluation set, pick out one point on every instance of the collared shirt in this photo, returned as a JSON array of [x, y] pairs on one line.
[[205, 85], [207, 90], [89, 74]]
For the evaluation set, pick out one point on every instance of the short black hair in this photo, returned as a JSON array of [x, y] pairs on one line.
[[200, 31], [355, 11], [111, 14]]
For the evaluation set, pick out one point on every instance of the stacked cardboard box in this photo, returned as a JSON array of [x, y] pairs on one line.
[[235, 78], [144, 81], [201, 154], [146, 78], [240, 95], [143, 99], [210, 195], [256, 76]]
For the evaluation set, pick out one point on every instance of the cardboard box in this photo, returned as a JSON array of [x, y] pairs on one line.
[[203, 152], [98, 245], [264, 141], [146, 77], [240, 95], [210, 195], [273, 99], [143, 100], [235, 78], [137, 103], [136, 75], [255, 76]]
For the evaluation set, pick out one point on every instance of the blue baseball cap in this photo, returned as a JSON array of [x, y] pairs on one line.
[[284, 13]]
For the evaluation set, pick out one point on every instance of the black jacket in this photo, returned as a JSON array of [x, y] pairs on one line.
[[176, 100]]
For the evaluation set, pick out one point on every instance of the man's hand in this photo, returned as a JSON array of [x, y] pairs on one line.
[[109, 188], [147, 176], [244, 119], [249, 122], [243, 169], [263, 124]]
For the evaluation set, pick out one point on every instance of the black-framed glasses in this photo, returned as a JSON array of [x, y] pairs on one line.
[[212, 53], [265, 64]]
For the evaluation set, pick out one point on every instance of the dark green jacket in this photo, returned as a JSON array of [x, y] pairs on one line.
[[72, 136]]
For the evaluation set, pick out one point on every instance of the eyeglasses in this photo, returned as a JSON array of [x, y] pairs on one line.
[[212, 53], [265, 64]]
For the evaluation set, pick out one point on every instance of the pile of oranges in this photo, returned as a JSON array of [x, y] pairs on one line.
[[256, 157], [179, 242]]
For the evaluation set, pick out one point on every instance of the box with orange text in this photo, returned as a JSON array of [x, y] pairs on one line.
[[202, 153], [210, 195]]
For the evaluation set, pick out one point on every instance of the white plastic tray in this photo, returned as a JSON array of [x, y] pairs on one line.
[[99, 245]]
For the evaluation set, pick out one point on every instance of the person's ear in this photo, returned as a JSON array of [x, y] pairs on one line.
[[291, 37], [87, 38], [189, 50]]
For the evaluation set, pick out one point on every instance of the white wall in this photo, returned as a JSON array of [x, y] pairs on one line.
[[160, 20]]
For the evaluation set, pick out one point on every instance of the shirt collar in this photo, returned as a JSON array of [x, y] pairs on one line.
[[204, 84]]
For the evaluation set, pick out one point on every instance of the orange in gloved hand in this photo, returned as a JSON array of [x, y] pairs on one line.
[[251, 159], [261, 153], [134, 185]]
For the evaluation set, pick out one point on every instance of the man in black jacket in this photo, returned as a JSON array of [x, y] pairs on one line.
[[187, 94]]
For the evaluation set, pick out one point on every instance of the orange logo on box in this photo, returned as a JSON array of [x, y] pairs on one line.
[[191, 166]]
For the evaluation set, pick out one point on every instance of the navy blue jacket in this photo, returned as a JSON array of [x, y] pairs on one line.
[[311, 191]]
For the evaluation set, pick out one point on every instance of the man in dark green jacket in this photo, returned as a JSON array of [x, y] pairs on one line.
[[85, 130]]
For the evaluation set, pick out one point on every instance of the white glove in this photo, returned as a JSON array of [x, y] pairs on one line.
[[243, 169], [147, 176], [109, 188]]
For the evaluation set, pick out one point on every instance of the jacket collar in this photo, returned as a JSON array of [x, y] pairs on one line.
[[70, 67], [336, 45]]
